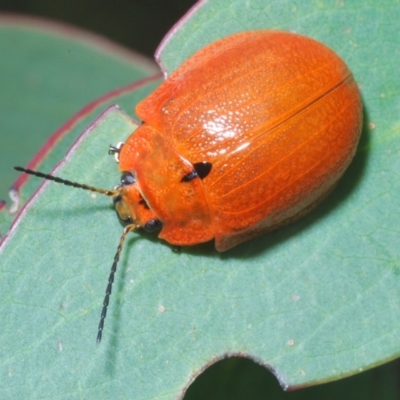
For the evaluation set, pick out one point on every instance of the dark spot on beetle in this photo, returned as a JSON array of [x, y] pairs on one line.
[[143, 202], [201, 170], [189, 177]]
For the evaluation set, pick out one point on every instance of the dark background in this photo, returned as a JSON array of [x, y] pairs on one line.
[[138, 24], [141, 25]]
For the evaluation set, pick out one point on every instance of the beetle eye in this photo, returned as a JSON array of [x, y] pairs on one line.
[[127, 178], [153, 225]]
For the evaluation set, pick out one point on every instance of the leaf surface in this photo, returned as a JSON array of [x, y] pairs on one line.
[[53, 71], [316, 301]]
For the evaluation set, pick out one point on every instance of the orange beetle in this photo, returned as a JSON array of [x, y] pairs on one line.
[[248, 135], [271, 120]]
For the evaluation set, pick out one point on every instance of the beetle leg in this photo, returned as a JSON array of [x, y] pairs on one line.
[[115, 150]]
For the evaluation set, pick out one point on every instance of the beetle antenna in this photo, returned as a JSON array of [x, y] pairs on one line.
[[127, 229], [110, 193]]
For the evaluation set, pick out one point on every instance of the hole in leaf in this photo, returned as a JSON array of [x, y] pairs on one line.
[[238, 378], [234, 378]]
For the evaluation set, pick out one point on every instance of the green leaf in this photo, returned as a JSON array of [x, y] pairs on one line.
[[52, 72], [314, 302]]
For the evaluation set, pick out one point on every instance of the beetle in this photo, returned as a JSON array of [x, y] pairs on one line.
[[248, 135]]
